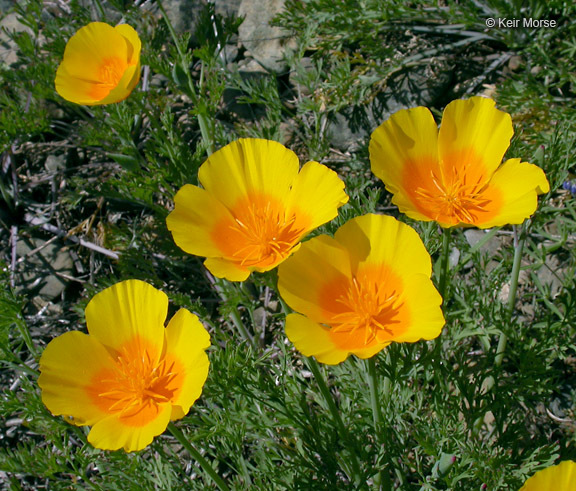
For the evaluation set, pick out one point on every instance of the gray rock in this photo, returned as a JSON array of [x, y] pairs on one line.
[[265, 43], [473, 236], [227, 7], [55, 163], [183, 13], [8, 48], [37, 275], [350, 127], [6, 5]]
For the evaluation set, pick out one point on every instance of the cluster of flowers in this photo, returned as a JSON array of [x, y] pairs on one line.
[[570, 186], [354, 293]]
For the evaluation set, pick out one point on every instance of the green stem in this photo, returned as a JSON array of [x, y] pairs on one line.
[[19, 365], [518, 249], [171, 29], [344, 433], [374, 399], [444, 262], [382, 480], [25, 333], [234, 315], [206, 133], [177, 433], [203, 121]]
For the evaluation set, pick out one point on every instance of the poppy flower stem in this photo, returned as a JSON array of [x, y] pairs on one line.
[[444, 262], [203, 122], [344, 433], [218, 285], [519, 240], [374, 399], [382, 479], [177, 433], [25, 333]]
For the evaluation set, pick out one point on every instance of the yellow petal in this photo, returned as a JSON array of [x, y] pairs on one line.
[[403, 152], [249, 166], [67, 366], [383, 240], [111, 433], [561, 477], [196, 211], [224, 268], [422, 301], [370, 352], [133, 41], [128, 311], [303, 277], [316, 195], [312, 339], [512, 194], [474, 134], [74, 89], [186, 341]]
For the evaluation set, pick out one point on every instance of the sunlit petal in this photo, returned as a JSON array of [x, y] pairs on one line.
[[64, 385], [135, 309], [476, 135], [302, 278], [317, 193], [402, 250], [512, 194], [186, 342], [312, 339], [561, 477], [112, 433]]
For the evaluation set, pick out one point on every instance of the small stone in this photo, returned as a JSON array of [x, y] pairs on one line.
[[8, 48], [55, 163], [266, 43]]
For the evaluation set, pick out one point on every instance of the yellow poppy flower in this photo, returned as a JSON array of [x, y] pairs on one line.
[[453, 176], [101, 64], [129, 376], [358, 292], [561, 477], [254, 208]]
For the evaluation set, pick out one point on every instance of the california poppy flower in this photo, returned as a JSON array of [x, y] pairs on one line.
[[358, 292], [101, 64], [453, 176], [561, 477], [254, 208], [130, 375]]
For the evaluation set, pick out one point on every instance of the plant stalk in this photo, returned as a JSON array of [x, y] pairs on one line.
[[514, 276], [444, 263], [344, 433], [203, 122], [382, 479], [177, 433]]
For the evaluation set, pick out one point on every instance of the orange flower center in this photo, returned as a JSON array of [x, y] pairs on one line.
[[109, 75], [365, 309], [137, 385], [453, 198], [262, 234]]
